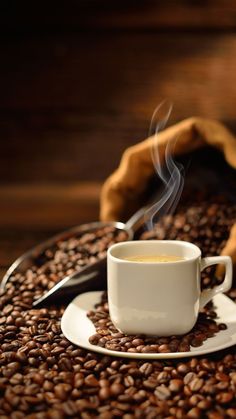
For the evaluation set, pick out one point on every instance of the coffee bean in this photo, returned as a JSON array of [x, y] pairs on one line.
[[162, 392], [65, 364], [150, 384], [204, 404], [195, 399], [90, 364], [146, 369], [189, 377], [231, 412], [194, 413], [196, 384], [116, 389], [216, 415], [182, 369], [61, 391], [176, 385], [163, 377], [70, 408], [104, 393], [224, 397], [128, 381], [91, 381]]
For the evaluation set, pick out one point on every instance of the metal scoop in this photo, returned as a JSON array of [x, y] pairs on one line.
[[91, 277]]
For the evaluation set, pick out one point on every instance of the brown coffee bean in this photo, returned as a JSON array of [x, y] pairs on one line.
[[137, 342], [138, 396], [224, 397], [189, 377], [216, 415], [116, 389], [90, 364], [163, 377], [197, 342], [231, 412], [61, 391], [194, 413], [220, 376], [195, 399], [128, 381], [196, 384], [146, 369], [204, 404], [104, 393], [70, 408], [94, 339], [64, 364], [162, 392], [11, 369], [38, 378], [11, 398], [176, 385], [150, 383], [183, 369], [91, 381]]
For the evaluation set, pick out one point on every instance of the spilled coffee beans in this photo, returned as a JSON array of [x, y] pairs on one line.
[[43, 375]]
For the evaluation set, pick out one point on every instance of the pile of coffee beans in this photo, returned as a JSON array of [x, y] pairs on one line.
[[107, 336], [44, 376], [66, 257]]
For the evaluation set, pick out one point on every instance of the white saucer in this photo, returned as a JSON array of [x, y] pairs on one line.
[[77, 328]]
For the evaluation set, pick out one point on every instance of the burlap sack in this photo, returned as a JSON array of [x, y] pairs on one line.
[[126, 185]]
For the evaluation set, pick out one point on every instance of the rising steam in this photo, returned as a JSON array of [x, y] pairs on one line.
[[170, 172]]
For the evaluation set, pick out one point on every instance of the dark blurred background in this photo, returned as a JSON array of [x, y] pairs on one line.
[[79, 81]]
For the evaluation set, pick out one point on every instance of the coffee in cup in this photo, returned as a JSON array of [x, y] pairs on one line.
[[153, 258]]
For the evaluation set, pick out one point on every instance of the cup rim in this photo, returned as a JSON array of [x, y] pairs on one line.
[[132, 242]]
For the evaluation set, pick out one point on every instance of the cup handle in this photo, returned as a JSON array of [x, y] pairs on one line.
[[208, 294]]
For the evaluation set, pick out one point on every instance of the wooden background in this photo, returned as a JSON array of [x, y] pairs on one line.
[[79, 82]]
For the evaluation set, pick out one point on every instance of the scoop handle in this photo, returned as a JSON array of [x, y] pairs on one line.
[[137, 220]]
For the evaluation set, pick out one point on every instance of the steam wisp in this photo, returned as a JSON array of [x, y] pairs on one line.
[[170, 172]]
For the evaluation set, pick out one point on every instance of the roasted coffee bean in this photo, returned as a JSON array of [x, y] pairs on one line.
[[163, 377], [90, 364], [91, 381], [116, 389], [224, 397], [175, 385], [128, 381], [196, 384], [190, 376], [146, 369], [162, 392], [104, 393], [150, 383], [194, 413], [231, 412]]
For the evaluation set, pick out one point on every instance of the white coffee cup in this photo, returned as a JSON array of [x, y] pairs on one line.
[[159, 298]]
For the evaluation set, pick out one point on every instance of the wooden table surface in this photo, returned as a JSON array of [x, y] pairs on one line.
[[78, 85]]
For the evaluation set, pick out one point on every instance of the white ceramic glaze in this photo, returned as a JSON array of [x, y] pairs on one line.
[[159, 298], [77, 328]]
